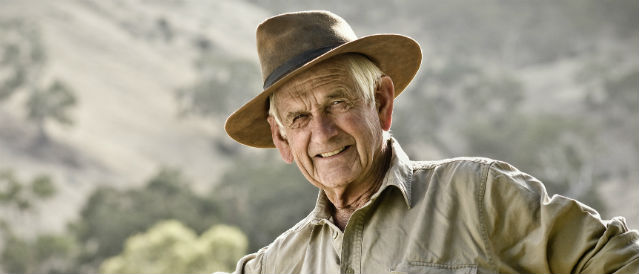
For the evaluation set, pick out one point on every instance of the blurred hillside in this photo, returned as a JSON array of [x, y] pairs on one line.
[[124, 60], [120, 102]]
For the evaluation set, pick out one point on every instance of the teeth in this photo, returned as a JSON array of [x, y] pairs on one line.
[[329, 154]]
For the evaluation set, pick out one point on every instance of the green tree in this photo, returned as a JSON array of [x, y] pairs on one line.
[[43, 187], [110, 215], [22, 61], [171, 247], [20, 196], [49, 253], [22, 56], [11, 192], [52, 103], [263, 196]]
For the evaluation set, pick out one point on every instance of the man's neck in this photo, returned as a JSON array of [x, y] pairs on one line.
[[344, 205], [343, 212]]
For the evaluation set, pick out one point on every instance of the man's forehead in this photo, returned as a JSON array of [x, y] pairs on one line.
[[320, 94], [325, 79]]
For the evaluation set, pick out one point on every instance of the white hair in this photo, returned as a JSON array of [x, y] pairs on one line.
[[364, 73]]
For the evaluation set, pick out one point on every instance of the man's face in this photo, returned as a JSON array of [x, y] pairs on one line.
[[333, 134]]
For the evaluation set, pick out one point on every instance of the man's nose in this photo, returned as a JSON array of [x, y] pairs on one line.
[[323, 128]]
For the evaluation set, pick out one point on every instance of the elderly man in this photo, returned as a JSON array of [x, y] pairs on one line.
[[327, 105]]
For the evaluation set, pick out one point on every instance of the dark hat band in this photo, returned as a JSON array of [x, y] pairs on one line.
[[294, 63]]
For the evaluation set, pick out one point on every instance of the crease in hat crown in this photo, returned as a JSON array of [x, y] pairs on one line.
[[286, 41], [291, 43]]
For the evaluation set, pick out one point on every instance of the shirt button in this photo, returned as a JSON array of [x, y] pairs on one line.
[[350, 270]]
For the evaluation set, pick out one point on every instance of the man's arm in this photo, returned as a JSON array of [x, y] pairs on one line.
[[527, 231], [251, 263]]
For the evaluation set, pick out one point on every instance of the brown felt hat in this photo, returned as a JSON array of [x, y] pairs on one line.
[[290, 43]]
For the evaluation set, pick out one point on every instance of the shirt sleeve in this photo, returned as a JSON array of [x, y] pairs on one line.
[[251, 263], [528, 232]]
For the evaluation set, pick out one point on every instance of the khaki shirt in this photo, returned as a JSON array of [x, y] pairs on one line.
[[463, 215]]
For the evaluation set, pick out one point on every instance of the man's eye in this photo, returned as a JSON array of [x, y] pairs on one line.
[[339, 105], [297, 121], [298, 117]]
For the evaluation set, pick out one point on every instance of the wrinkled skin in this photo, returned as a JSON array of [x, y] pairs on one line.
[[333, 135]]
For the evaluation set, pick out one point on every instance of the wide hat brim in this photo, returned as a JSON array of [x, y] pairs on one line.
[[396, 55]]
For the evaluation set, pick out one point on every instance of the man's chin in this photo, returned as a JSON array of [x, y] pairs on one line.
[[336, 181]]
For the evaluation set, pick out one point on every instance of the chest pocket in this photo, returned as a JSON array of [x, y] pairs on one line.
[[422, 267]]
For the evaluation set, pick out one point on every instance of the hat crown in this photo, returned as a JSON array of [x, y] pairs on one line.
[[283, 38]]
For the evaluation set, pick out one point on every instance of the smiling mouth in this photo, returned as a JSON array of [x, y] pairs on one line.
[[332, 153]]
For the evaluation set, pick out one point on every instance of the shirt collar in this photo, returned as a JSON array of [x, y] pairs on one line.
[[399, 175]]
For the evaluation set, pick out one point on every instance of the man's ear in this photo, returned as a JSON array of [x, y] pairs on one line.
[[280, 142], [384, 95]]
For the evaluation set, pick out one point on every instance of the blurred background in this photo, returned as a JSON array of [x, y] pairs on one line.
[[113, 157]]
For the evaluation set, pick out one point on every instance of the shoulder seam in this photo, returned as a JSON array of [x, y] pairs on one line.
[[482, 215], [432, 164], [263, 263]]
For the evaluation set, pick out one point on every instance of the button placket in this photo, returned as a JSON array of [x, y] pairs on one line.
[[337, 242], [352, 242]]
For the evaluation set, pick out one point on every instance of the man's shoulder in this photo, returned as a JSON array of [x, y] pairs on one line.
[[286, 250], [473, 176], [290, 242], [461, 175]]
